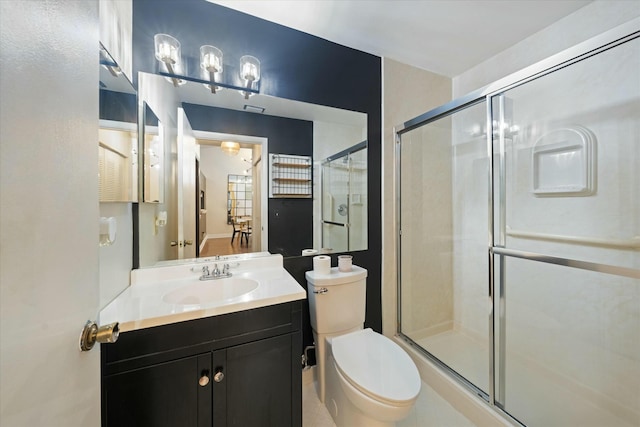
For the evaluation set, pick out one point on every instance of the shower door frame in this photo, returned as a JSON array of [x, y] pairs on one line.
[[591, 47]]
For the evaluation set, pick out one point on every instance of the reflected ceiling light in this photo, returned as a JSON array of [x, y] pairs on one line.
[[108, 62], [167, 51], [249, 73], [231, 148], [211, 64]]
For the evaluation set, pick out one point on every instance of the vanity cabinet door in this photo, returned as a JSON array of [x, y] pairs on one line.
[[175, 393], [259, 388]]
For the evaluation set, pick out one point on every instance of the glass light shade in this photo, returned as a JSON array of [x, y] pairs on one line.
[[231, 148], [249, 68], [211, 59], [167, 49]]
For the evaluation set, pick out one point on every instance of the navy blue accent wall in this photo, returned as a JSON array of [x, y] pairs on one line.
[[295, 65], [118, 106], [290, 220]]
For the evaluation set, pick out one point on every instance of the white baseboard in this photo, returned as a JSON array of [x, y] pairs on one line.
[[219, 236]]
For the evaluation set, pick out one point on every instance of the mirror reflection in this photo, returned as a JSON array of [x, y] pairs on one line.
[[344, 199], [117, 134], [239, 197], [208, 219], [152, 137]]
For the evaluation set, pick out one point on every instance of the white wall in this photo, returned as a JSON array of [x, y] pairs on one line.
[[116, 259], [48, 212], [586, 22]]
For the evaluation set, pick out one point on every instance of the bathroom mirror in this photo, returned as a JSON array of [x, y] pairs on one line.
[[117, 134], [152, 137], [199, 121]]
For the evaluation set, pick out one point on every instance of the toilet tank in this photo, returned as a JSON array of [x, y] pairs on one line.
[[337, 301]]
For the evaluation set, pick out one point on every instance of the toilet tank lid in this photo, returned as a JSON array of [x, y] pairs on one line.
[[336, 277]]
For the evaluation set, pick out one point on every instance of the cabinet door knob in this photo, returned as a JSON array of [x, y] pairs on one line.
[[204, 379], [219, 376]]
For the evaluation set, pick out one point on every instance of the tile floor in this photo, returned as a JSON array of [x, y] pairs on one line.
[[430, 410]]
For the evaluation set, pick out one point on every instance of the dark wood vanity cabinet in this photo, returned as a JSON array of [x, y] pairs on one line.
[[238, 369]]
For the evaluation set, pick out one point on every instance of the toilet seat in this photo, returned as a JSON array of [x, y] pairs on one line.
[[376, 366]]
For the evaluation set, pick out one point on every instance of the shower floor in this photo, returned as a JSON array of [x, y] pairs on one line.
[[534, 395]]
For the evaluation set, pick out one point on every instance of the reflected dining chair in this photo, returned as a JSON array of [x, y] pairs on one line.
[[237, 228], [245, 233]]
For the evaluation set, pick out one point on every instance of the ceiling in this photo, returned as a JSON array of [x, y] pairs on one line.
[[447, 37]]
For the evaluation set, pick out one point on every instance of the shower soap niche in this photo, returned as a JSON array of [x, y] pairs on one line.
[[564, 163]]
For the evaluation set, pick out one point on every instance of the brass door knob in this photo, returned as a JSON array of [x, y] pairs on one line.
[[173, 243], [188, 242], [218, 377], [92, 333]]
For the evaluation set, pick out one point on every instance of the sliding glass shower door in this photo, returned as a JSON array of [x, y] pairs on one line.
[[519, 240], [567, 252], [444, 172]]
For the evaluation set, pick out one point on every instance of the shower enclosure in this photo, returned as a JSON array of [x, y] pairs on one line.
[[519, 237], [344, 200]]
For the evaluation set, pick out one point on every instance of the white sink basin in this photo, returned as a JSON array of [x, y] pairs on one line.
[[210, 291]]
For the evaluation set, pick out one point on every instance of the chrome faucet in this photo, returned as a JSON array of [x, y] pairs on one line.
[[216, 273]]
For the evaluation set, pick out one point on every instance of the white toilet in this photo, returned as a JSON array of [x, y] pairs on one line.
[[364, 378]]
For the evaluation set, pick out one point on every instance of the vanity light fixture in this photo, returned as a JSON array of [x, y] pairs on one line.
[[211, 64], [231, 148], [167, 51], [249, 73]]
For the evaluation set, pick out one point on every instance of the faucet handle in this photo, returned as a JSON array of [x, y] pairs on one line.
[[205, 270], [225, 269]]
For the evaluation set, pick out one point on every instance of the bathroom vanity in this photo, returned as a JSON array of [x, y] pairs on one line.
[[221, 362]]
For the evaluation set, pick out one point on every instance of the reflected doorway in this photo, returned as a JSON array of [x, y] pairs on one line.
[[229, 199]]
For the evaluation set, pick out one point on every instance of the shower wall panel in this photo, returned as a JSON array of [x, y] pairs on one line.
[[427, 246]]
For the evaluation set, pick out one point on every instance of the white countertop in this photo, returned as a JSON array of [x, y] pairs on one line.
[[141, 305]]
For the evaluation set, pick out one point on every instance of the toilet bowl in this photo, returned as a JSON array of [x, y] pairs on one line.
[[364, 378], [370, 380]]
